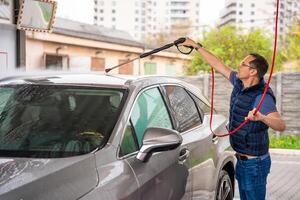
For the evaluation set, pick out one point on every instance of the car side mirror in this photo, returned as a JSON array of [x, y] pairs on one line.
[[156, 140], [36, 15]]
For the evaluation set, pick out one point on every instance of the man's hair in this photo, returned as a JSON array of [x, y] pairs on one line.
[[260, 64]]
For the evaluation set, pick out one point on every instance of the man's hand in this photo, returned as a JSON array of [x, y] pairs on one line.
[[273, 120], [189, 42], [257, 117], [210, 58]]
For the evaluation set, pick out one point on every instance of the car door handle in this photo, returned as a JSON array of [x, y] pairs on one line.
[[183, 155]]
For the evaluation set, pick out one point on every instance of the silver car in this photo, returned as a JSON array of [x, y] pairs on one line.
[[92, 136]]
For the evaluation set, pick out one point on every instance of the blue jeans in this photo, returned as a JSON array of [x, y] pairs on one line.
[[252, 176]]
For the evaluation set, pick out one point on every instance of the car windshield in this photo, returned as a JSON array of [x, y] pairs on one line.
[[56, 121]]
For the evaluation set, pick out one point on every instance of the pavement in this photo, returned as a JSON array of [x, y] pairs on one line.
[[284, 178]]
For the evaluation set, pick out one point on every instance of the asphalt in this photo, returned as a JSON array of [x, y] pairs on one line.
[[284, 178]]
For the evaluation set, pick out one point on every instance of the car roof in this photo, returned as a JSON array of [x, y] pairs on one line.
[[86, 79], [98, 80]]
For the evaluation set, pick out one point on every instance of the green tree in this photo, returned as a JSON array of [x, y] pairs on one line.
[[231, 45], [291, 46]]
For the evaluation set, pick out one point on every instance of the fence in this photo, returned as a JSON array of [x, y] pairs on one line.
[[286, 87]]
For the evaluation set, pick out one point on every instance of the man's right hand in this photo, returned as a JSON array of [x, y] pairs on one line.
[[189, 42], [210, 58]]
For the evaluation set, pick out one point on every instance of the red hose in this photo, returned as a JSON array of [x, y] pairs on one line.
[[265, 90]]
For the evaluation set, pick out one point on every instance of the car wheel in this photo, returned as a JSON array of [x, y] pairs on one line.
[[224, 187]]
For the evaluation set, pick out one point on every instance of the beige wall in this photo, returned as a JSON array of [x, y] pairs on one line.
[[79, 52]]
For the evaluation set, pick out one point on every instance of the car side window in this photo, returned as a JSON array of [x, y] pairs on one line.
[[149, 111], [128, 145], [203, 108], [5, 94], [183, 107]]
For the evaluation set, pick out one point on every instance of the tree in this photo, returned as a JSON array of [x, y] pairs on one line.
[[291, 50], [231, 45]]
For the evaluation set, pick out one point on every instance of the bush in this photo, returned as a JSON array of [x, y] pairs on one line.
[[284, 141]]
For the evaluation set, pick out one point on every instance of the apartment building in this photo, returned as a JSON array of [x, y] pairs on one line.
[[251, 14], [147, 18]]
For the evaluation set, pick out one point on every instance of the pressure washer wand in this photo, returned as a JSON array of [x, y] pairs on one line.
[[176, 42]]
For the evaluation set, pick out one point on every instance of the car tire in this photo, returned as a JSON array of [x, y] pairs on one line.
[[224, 187]]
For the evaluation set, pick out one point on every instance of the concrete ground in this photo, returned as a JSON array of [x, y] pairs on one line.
[[284, 179]]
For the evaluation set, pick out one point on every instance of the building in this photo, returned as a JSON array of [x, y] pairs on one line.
[[10, 37], [75, 46], [148, 18], [251, 14]]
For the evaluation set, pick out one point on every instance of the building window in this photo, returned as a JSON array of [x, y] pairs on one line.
[[113, 11], [127, 68], [136, 19], [101, 18], [252, 5], [149, 68], [98, 64], [101, 10], [252, 20], [241, 5], [252, 12], [113, 19], [170, 70], [55, 62], [240, 13]]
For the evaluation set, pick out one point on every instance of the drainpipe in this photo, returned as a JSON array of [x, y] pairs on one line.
[[20, 40]]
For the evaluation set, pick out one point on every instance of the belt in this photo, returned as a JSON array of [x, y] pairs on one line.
[[246, 157]]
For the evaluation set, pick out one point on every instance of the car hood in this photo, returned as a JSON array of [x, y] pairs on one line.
[[59, 178]]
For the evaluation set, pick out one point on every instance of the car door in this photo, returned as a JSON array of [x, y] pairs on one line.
[[165, 174], [197, 139]]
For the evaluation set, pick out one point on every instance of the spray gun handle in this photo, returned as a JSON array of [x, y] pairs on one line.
[[179, 41]]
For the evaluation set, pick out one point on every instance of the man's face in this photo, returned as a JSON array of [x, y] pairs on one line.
[[245, 70]]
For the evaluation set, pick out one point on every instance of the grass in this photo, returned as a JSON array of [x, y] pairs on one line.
[[285, 141]]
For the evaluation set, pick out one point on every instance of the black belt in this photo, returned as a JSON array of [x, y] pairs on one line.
[[241, 157], [244, 157]]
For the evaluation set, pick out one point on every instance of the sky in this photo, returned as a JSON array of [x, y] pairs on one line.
[[82, 10]]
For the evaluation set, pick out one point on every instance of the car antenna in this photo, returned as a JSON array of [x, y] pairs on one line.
[[176, 43]]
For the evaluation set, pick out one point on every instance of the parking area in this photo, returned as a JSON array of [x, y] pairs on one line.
[[283, 181]]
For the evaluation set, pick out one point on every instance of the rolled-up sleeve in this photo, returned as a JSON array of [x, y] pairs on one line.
[[268, 105]]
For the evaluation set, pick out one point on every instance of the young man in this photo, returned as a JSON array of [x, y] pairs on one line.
[[251, 143]]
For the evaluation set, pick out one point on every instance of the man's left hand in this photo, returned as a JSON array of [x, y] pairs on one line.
[[257, 117]]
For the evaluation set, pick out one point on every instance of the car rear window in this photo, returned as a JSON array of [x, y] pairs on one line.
[[56, 121]]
